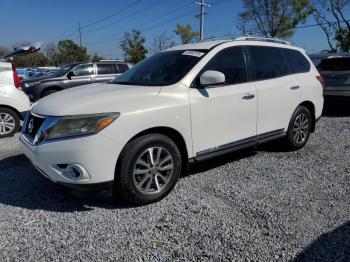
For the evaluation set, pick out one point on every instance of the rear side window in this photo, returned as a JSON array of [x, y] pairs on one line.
[[122, 68], [297, 62], [231, 63], [335, 64], [105, 69], [268, 62]]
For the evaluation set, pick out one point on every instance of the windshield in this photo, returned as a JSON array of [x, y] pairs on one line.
[[165, 68]]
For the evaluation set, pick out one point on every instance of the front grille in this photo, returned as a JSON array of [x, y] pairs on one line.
[[33, 125]]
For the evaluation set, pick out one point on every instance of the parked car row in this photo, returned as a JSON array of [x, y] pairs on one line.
[[73, 75]]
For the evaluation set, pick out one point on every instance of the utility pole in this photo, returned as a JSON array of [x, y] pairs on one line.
[[80, 35], [202, 4]]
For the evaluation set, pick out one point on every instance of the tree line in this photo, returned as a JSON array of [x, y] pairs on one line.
[[268, 18]]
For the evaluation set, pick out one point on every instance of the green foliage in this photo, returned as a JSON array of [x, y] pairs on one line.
[[186, 34], [31, 60], [343, 39], [274, 18], [70, 52], [133, 47], [96, 58]]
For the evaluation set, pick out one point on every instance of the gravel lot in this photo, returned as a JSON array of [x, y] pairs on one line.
[[262, 204]]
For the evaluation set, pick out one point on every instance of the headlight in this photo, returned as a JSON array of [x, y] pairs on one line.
[[29, 84], [70, 126]]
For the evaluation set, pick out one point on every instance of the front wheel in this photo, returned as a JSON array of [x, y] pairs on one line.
[[9, 122], [299, 128], [149, 169]]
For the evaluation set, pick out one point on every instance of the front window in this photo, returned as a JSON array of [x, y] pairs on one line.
[[84, 70], [165, 68]]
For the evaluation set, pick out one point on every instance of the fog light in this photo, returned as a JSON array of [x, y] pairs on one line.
[[72, 171]]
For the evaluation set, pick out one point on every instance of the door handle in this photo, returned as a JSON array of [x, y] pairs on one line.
[[294, 87], [248, 96]]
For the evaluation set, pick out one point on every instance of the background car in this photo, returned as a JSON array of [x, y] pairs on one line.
[[13, 102], [336, 74], [73, 75]]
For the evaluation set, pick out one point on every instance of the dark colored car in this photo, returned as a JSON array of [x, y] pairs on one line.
[[336, 74], [73, 75]]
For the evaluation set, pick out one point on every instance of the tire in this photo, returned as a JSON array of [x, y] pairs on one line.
[[137, 180], [299, 129], [9, 122], [49, 92]]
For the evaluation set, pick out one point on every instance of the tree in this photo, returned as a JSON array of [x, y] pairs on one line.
[[162, 42], [4, 50], [330, 16], [186, 34], [30, 60], [133, 47], [70, 52], [51, 51], [273, 18], [96, 58]]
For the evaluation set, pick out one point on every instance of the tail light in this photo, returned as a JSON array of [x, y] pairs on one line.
[[321, 79], [16, 80]]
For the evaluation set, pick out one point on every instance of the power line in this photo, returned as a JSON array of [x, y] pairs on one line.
[[111, 15], [124, 18], [153, 26]]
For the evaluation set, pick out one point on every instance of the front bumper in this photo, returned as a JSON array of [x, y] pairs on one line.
[[97, 155]]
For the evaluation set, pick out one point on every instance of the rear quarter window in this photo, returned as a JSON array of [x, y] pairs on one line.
[[296, 61], [122, 68]]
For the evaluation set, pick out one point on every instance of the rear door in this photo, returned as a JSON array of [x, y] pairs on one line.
[[105, 72], [279, 92], [82, 75]]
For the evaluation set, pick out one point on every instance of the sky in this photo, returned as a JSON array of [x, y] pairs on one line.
[[103, 22]]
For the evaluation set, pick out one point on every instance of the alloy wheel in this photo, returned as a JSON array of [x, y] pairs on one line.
[[7, 123], [153, 170], [300, 128]]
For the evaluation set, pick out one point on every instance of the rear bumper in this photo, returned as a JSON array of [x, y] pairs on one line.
[[336, 93]]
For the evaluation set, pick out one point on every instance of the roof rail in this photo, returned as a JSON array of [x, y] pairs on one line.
[[264, 39]]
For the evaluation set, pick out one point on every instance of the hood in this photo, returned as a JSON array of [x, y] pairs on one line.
[[96, 98]]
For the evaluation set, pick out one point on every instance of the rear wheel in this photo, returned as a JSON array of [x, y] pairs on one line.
[[149, 169], [9, 122], [299, 128]]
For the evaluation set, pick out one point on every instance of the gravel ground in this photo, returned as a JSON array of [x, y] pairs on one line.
[[257, 205]]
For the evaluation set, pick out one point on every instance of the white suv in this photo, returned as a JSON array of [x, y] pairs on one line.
[[189, 103], [13, 102]]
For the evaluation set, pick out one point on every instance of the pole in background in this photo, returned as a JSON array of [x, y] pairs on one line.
[[202, 4], [80, 35]]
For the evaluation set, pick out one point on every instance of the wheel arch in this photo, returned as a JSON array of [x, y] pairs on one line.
[[309, 105], [14, 110], [172, 133], [47, 88]]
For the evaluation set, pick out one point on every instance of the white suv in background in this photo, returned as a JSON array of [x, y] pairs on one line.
[[13, 102], [189, 103]]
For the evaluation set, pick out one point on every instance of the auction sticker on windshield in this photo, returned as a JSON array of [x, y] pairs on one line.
[[193, 53]]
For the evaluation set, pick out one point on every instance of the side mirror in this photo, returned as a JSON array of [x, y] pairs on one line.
[[70, 74], [211, 77]]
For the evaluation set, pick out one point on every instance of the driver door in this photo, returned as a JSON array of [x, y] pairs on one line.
[[82, 75], [224, 116]]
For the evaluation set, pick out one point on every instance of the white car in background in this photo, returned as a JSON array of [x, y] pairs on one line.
[[14, 103], [137, 133]]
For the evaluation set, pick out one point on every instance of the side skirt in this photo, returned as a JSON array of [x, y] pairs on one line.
[[238, 145]]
